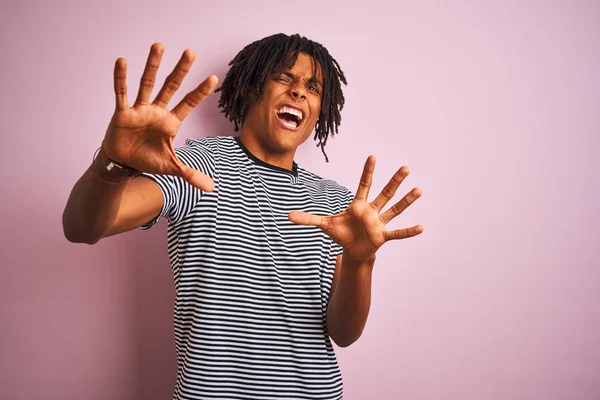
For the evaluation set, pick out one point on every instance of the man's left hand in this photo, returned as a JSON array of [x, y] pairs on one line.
[[360, 229]]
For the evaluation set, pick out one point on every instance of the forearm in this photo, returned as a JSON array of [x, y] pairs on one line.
[[92, 207], [349, 306]]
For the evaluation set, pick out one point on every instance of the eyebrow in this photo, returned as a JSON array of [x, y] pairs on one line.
[[315, 81], [312, 80]]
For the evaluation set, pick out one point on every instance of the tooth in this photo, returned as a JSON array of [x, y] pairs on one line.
[[293, 111]]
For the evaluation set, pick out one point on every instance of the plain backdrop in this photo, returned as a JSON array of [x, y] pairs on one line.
[[495, 107]]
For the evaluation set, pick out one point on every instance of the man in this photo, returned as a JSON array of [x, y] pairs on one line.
[[269, 260]]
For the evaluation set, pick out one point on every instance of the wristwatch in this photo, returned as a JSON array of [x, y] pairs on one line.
[[112, 171]]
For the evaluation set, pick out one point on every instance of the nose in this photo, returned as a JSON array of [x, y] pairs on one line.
[[298, 91]]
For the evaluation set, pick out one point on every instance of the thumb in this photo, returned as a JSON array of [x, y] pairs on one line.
[[304, 218], [197, 178]]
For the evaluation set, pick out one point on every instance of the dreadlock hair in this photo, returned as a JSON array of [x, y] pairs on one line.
[[249, 71]]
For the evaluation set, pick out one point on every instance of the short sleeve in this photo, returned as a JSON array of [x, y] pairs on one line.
[[179, 196]]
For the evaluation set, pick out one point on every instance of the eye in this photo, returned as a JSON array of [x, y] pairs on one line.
[[283, 78], [313, 88]]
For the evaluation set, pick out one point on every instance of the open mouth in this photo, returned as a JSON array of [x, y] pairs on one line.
[[290, 117]]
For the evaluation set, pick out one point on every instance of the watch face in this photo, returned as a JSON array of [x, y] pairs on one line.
[[122, 171], [112, 165]]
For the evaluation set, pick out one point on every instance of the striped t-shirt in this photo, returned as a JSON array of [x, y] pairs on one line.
[[252, 288]]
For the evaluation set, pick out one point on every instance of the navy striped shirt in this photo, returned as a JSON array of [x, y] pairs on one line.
[[252, 288]]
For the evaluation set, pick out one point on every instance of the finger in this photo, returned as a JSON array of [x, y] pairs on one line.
[[196, 178], [402, 205], [304, 218], [120, 77], [195, 97], [403, 233], [149, 75], [390, 189], [362, 193], [174, 80]]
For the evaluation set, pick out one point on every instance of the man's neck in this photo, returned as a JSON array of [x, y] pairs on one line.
[[263, 153]]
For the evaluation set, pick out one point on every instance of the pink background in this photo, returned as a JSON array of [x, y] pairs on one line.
[[495, 107]]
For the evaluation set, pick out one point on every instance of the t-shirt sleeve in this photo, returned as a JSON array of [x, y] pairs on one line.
[[179, 196], [346, 198]]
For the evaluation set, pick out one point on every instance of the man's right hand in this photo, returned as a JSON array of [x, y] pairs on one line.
[[141, 136]]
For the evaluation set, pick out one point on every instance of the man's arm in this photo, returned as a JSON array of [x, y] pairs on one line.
[[350, 299], [96, 209], [102, 203], [360, 231]]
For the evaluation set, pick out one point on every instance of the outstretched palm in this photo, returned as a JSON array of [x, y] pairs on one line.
[[360, 229], [142, 136]]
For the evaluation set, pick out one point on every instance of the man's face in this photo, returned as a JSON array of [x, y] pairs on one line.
[[289, 110]]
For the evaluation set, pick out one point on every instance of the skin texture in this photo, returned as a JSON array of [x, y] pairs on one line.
[[141, 137]]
